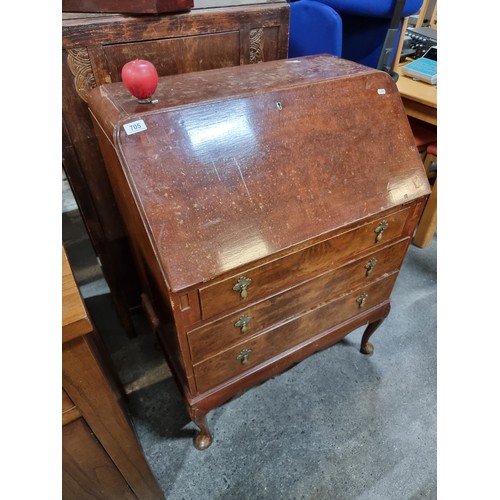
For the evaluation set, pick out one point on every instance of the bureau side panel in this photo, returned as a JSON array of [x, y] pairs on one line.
[[176, 345]]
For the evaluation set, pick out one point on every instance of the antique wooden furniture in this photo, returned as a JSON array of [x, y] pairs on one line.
[[101, 457], [127, 6], [95, 47], [270, 208]]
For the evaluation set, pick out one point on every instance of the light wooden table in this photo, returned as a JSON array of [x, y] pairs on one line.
[[420, 101], [419, 98]]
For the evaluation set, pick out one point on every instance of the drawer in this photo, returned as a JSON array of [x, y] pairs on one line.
[[212, 51], [271, 343], [221, 334], [300, 266]]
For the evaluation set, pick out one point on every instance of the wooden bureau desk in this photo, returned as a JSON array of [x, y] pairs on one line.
[[270, 208], [419, 98], [101, 457]]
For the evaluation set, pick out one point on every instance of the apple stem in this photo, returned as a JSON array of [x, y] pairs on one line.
[[149, 100]]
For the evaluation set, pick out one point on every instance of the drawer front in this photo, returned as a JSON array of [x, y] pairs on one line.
[[221, 334], [299, 266], [169, 55], [261, 348]]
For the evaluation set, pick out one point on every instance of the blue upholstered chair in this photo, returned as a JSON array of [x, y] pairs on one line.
[[363, 25], [315, 28]]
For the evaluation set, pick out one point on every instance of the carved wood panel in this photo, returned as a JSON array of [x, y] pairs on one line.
[[81, 68]]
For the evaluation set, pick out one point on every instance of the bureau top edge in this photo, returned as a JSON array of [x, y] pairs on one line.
[[112, 103]]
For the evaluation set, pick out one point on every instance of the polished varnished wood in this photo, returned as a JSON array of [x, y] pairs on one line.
[[248, 146], [111, 464], [95, 48], [286, 193], [299, 266], [287, 335], [214, 337]]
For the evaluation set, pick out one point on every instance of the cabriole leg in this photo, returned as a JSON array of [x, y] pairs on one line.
[[367, 347], [204, 438]]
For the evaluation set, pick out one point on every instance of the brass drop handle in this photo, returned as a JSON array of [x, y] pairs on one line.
[[243, 356], [369, 266], [362, 299], [242, 323], [241, 286], [380, 230]]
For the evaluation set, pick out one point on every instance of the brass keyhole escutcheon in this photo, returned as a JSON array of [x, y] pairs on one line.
[[242, 323], [241, 286], [244, 355], [369, 266], [362, 299], [380, 230]]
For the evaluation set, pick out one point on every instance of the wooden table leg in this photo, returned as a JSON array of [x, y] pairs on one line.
[[428, 222]]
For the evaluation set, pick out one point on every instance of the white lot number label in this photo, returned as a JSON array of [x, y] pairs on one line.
[[134, 127]]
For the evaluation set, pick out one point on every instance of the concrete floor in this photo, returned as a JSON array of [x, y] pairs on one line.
[[339, 425]]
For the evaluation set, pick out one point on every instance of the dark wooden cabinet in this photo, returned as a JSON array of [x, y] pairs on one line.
[[127, 6], [270, 208], [95, 47], [101, 456]]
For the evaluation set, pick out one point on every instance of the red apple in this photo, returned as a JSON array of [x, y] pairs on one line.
[[140, 77]]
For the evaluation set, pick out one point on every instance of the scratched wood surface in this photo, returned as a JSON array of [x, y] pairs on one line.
[[237, 164]]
